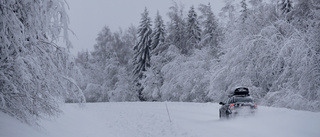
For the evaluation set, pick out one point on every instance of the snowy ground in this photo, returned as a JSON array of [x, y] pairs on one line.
[[151, 120]]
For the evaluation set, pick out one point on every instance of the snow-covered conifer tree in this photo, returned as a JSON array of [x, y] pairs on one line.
[[102, 48], [244, 10], [177, 28], [210, 31], [286, 6], [142, 49], [193, 29], [158, 36]]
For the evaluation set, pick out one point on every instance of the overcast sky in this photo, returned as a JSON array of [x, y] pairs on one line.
[[88, 17]]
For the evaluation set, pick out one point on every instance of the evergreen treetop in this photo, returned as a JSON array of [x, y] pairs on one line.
[[158, 35], [142, 48], [193, 28]]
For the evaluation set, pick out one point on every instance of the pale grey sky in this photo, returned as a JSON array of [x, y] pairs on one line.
[[88, 17]]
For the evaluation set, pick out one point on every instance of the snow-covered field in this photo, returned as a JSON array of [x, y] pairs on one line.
[[152, 120]]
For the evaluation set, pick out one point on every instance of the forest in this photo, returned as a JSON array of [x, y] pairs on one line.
[[272, 47]]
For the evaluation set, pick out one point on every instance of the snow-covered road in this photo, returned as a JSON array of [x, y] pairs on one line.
[[152, 120]]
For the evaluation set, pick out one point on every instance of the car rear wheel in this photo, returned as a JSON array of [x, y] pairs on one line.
[[227, 115]]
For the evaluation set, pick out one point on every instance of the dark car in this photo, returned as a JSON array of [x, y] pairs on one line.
[[238, 103]]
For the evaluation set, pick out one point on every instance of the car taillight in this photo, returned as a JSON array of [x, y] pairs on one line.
[[232, 106], [255, 106]]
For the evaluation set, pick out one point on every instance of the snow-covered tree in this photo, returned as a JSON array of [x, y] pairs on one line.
[[244, 10], [255, 3], [286, 6], [36, 75], [83, 58], [273, 56], [100, 55], [228, 12], [106, 69], [142, 49], [94, 66], [211, 32], [125, 87], [304, 11], [193, 29], [190, 85], [177, 27], [158, 35], [153, 80], [151, 84]]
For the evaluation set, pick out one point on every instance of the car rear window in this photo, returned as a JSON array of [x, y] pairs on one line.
[[243, 99]]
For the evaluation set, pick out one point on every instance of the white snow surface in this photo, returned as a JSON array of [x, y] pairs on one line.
[[142, 119]]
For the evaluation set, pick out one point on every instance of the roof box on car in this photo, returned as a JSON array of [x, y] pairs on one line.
[[241, 91]]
